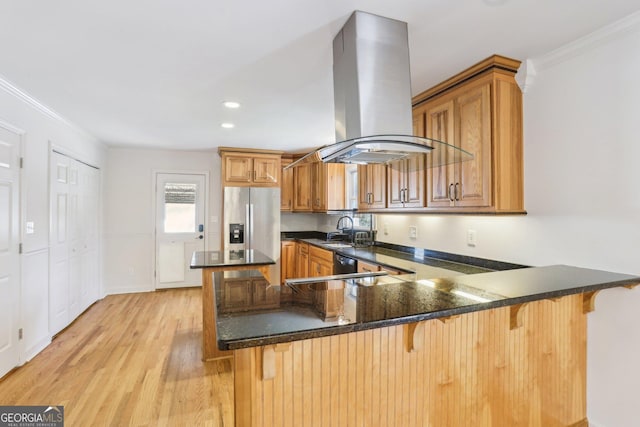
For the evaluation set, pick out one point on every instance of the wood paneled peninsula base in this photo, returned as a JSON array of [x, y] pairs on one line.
[[215, 261], [495, 349]]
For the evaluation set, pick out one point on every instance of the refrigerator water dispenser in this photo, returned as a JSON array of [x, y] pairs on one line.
[[236, 233]]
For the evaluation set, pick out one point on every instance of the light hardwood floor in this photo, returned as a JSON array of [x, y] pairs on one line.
[[131, 359]]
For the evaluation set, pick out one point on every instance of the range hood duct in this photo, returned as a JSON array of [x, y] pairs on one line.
[[372, 97]]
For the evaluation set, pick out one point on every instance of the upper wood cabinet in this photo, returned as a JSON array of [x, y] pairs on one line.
[[250, 168], [479, 111], [328, 186], [286, 185], [372, 187], [406, 178], [405, 182], [302, 188]]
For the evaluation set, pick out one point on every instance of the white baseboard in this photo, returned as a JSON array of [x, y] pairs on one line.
[[127, 290], [37, 348]]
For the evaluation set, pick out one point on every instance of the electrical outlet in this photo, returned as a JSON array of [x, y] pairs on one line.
[[413, 232], [471, 238], [385, 228]]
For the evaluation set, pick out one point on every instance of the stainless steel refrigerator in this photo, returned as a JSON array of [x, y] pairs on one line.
[[251, 220]]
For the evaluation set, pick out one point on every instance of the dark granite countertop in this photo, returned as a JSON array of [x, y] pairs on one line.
[[395, 256], [249, 257], [342, 306]]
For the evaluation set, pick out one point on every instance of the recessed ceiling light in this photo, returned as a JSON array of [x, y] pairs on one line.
[[228, 125], [231, 104]]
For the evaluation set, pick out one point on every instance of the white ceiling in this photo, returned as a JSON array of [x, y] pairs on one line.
[[154, 73]]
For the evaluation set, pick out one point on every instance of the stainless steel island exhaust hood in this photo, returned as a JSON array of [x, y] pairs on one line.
[[372, 97]]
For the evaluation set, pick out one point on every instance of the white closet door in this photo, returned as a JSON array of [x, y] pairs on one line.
[[74, 281], [59, 244], [75, 240]]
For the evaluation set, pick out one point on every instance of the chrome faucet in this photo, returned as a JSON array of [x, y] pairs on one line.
[[345, 228]]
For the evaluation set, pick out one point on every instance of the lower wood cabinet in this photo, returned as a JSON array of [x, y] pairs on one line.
[[320, 262], [243, 293], [367, 267]]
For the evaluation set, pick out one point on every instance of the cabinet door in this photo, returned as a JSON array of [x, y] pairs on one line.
[[319, 186], [396, 183], [367, 267], [286, 187], [319, 267], [287, 261], [372, 188], [363, 188], [302, 264], [264, 294], [236, 295], [238, 169], [377, 175], [266, 170], [302, 188], [472, 186], [440, 126], [414, 181]]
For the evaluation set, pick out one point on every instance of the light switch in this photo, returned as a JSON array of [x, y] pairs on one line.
[[471, 237], [30, 227], [413, 232]]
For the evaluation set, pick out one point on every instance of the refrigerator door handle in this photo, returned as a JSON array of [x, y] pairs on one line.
[[247, 228], [250, 239]]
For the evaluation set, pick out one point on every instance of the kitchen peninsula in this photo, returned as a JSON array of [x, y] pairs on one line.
[[210, 262], [498, 348]]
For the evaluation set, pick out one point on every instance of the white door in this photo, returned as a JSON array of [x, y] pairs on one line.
[[9, 249], [180, 214], [59, 243], [73, 254]]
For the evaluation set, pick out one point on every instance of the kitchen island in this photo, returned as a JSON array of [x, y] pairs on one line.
[[499, 348], [210, 262]]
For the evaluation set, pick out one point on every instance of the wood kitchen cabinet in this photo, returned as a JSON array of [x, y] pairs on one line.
[[264, 295], [372, 186], [320, 262], [369, 267], [329, 299], [304, 295], [328, 186], [302, 262], [406, 182], [247, 291], [302, 188], [406, 178], [250, 168], [288, 252], [288, 255], [479, 111], [286, 185]]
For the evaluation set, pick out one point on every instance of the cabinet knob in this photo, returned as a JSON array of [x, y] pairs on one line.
[[455, 191], [450, 191]]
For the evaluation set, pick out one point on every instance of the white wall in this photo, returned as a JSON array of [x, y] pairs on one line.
[[40, 127], [129, 211], [583, 202], [298, 221]]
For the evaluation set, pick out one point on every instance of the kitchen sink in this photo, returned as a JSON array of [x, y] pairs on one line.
[[338, 245]]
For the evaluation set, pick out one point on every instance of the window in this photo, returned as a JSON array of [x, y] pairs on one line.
[[180, 208]]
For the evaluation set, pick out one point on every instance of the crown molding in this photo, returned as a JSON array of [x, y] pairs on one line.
[[18, 93], [526, 75], [618, 29]]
